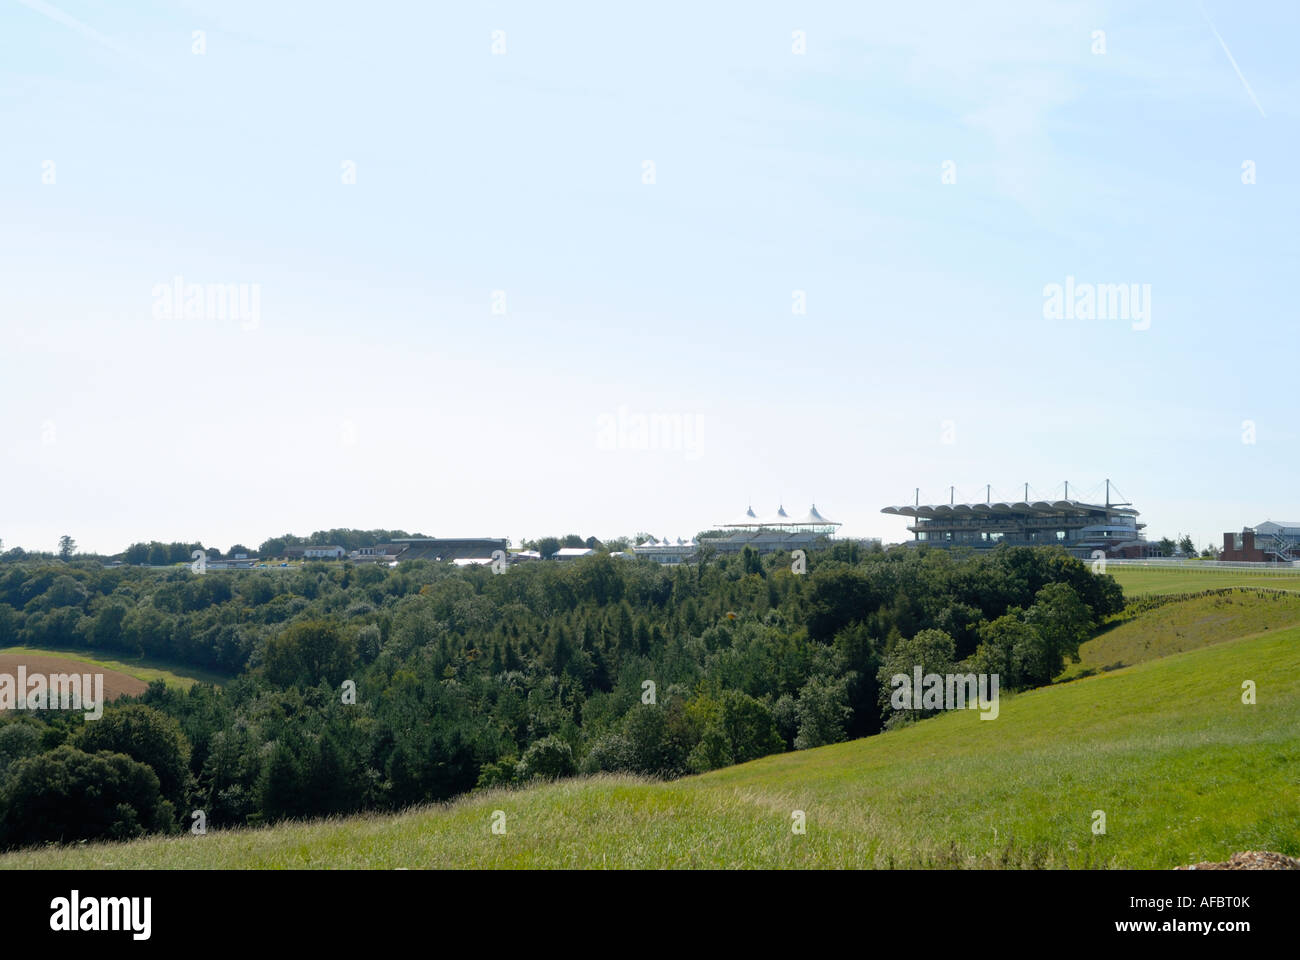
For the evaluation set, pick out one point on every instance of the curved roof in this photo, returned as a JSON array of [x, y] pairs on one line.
[[930, 511]]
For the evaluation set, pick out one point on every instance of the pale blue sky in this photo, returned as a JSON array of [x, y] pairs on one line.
[[378, 388]]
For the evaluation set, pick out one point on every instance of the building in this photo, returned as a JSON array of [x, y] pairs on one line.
[[665, 551], [1081, 528], [811, 522], [771, 534], [380, 553], [239, 561], [444, 548], [314, 552], [572, 553], [1267, 542]]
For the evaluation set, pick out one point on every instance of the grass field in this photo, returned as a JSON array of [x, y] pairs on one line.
[[142, 668], [1138, 581], [1186, 625], [116, 683], [1182, 769]]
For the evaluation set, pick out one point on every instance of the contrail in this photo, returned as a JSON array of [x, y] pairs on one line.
[[58, 16], [1233, 60]]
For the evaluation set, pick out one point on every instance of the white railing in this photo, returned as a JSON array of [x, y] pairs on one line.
[[1169, 563]]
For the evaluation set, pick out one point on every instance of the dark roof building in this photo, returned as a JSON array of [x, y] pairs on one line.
[[445, 548]]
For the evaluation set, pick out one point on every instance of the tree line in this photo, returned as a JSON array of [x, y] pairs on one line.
[[365, 687]]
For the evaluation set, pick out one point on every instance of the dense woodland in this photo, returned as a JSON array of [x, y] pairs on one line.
[[466, 679]]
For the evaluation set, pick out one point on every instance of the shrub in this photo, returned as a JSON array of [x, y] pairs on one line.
[[548, 759], [148, 736], [68, 794]]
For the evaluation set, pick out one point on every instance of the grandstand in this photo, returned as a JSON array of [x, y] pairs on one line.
[[1080, 527], [442, 548], [771, 534]]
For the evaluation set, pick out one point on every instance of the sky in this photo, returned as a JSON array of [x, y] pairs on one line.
[[513, 269]]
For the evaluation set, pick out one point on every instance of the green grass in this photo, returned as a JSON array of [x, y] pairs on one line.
[[1183, 770], [147, 669], [1186, 625], [1138, 581]]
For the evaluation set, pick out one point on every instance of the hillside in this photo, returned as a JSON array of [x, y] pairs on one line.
[[1186, 625], [1183, 770]]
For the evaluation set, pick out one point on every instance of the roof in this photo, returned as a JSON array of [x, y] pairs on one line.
[[573, 552], [1276, 526], [781, 519], [931, 510], [665, 543]]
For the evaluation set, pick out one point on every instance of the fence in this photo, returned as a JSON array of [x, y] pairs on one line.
[[1222, 566]]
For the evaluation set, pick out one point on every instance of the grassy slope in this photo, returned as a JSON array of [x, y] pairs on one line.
[[147, 669], [1138, 581], [1186, 625], [1184, 771]]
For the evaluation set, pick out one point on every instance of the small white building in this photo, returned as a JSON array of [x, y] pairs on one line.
[[572, 553], [323, 553]]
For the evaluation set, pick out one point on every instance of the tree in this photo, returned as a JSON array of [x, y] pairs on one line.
[[735, 728], [308, 653], [280, 788], [1064, 622], [106, 629], [839, 595], [1185, 544], [19, 739], [1166, 547], [657, 740], [67, 547], [148, 736], [931, 650], [1009, 648], [824, 712], [67, 794], [857, 657]]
